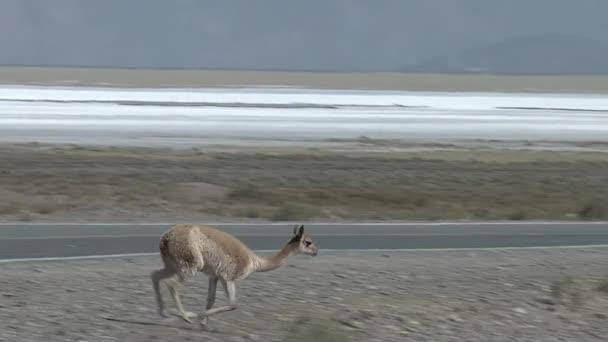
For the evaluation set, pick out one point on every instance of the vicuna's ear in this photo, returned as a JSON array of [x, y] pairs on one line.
[[298, 232]]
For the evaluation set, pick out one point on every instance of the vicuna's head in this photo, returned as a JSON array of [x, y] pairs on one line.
[[303, 243]]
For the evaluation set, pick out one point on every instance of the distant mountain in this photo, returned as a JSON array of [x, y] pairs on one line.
[[533, 54], [314, 35]]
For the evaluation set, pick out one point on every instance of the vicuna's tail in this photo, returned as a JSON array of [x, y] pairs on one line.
[[164, 249]]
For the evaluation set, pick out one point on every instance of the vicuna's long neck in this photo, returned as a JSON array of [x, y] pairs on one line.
[[277, 260]]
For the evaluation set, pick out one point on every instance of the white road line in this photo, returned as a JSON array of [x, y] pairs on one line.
[[129, 255], [108, 256], [347, 224], [155, 236], [376, 250], [275, 235]]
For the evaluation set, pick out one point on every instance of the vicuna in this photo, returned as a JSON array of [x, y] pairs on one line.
[[186, 249]]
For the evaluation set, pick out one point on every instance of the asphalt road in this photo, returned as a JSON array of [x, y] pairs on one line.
[[57, 240]]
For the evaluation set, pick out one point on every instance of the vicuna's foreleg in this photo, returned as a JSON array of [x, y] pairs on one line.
[[230, 289]]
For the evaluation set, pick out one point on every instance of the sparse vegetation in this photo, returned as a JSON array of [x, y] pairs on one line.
[[292, 184], [569, 292], [560, 287]]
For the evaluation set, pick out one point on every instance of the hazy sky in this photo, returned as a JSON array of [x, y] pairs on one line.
[[277, 34]]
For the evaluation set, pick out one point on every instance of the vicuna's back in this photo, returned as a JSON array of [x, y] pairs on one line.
[[206, 249]]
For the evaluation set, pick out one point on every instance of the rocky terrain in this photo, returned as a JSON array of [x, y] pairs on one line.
[[515, 295]]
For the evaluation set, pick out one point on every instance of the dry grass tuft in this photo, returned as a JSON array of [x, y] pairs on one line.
[[308, 329]]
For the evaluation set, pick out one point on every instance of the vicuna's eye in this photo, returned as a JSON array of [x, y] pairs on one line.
[[308, 243]]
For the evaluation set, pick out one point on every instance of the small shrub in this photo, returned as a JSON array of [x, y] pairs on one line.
[[46, 206], [25, 217], [603, 286], [308, 329], [421, 202], [249, 212], [517, 215], [8, 207], [252, 213], [247, 192], [481, 213], [294, 211], [577, 298], [319, 195], [560, 287], [568, 292], [593, 211]]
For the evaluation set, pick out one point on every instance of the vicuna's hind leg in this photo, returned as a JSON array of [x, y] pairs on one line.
[[211, 291], [175, 284], [157, 276], [174, 281]]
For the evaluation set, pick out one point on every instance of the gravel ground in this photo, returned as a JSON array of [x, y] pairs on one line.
[[523, 295]]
